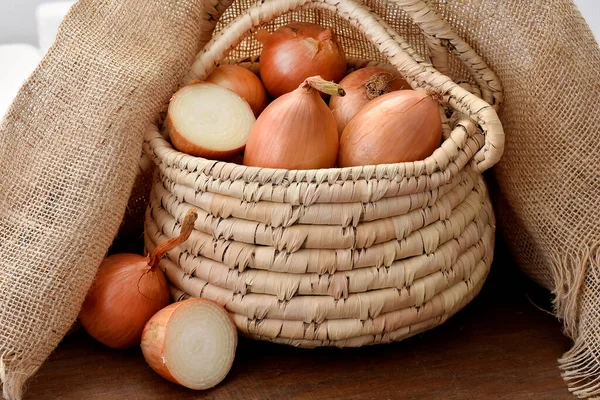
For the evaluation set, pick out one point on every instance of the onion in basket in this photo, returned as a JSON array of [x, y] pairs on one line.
[[362, 86], [396, 127], [298, 51], [191, 343], [129, 289], [296, 131], [243, 83], [207, 120]]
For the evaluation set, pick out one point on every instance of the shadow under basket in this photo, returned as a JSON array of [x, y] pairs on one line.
[[344, 256]]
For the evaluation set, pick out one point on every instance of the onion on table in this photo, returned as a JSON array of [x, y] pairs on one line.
[[191, 343], [297, 130], [296, 52], [207, 120], [243, 83], [396, 127], [128, 290], [362, 86]]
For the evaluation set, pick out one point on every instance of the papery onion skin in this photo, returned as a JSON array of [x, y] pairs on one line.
[[362, 86], [184, 145], [296, 52], [123, 297], [397, 127], [296, 131], [128, 290], [243, 83], [155, 337]]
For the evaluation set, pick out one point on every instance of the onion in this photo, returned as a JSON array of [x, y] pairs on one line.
[[128, 290], [362, 86], [191, 343], [207, 120], [296, 131], [243, 83], [396, 127], [298, 51]]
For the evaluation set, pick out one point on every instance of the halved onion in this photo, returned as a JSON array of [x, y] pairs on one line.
[[191, 343], [207, 120]]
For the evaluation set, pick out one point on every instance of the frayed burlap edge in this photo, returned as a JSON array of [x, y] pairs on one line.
[[572, 273]]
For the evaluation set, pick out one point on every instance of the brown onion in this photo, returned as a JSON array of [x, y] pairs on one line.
[[191, 343], [243, 83], [207, 120], [362, 86], [128, 290], [296, 131], [396, 127], [298, 51]]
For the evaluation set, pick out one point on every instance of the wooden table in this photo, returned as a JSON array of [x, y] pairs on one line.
[[499, 347]]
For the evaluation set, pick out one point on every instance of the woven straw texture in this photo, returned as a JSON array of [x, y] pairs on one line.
[[337, 257], [68, 149]]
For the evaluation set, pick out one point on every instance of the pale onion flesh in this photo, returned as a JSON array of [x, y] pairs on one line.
[[191, 343], [397, 127], [362, 86], [243, 83], [210, 121]]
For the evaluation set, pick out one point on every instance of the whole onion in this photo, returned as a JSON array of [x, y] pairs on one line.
[[296, 52], [362, 86], [296, 131], [396, 127]]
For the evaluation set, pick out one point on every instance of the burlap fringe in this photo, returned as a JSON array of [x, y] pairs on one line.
[[581, 364], [13, 381]]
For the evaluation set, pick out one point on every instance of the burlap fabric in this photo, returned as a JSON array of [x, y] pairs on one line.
[[69, 146]]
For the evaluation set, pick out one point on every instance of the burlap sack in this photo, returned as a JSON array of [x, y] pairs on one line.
[[69, 146]]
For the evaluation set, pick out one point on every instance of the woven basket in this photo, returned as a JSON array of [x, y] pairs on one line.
[[343, 256]]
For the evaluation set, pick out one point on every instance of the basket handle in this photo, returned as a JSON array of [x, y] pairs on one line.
[[399, 53], [441, 39]]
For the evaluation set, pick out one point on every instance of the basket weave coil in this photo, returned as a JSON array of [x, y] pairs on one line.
[[342, 256]]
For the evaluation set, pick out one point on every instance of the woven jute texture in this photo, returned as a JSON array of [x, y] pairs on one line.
[[69, 146], [338, 257]]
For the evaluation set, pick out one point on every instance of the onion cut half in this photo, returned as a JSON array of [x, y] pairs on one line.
[[191, 343], [207, 120]]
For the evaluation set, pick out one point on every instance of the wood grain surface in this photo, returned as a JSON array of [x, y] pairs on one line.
[[499, 347]]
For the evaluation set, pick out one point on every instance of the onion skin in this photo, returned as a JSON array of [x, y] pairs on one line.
[[155, 337], [296, 131], [128, 290], [115, 297], [296, 52], [362, 86], [243, 83], [397, 127]]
